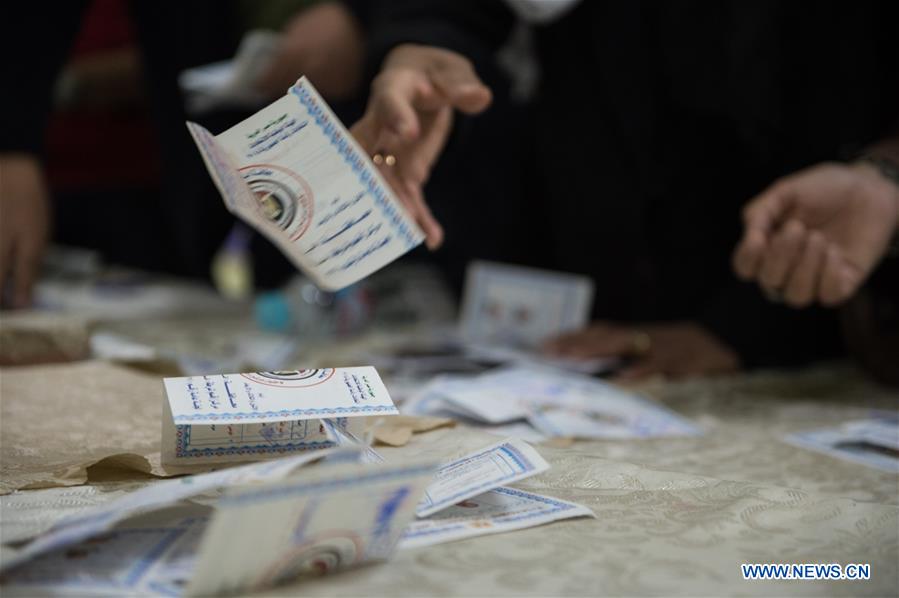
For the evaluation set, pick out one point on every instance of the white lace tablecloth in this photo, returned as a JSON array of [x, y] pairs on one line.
[[673, 516]]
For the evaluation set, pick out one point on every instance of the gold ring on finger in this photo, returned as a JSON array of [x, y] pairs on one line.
[[641, 343]]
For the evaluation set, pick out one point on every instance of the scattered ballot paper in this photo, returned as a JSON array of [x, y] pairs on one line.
[[240, 417], [328, 519], [262, 532], [499, 510], [91, 522], [295, 174], [870, 442], [502, 463], [554, 403]]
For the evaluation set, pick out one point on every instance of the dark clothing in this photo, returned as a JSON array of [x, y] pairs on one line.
[[182, 223], [656, 121]]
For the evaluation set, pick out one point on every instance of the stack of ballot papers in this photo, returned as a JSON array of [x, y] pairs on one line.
[[225, 418], [535, 402], [260, 525], [870, 442]]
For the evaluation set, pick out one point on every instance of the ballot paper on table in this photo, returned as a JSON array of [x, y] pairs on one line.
[[93, 521], [499, 464], [871, 442], [499, 510], [328, 519], [257, 535], [562, 404], [295, 174], [241, 417], [149, 555]]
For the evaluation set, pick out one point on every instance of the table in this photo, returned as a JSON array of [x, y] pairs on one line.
[[674, 516]]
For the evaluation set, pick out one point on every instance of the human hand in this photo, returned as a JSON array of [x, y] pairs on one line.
[[676, 350], [325, 43], [817, 234], [24, 225], [410, 115]]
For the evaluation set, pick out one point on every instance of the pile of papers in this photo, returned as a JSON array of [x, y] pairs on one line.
[[330, 503], [263, 524], [537, 402]]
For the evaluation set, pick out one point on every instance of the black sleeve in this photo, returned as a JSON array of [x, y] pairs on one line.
[[768, 334], [37, 38], [473, 28], [871, 323]]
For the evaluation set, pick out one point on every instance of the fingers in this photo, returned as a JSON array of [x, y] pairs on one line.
[[760, 219], [392, 103], [839, 279], [410, 195], [456, 79], [802, 287], [599, 340], [784, 250], [424, 217], [645, 368]]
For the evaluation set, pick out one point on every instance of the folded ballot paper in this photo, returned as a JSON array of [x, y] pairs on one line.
[[226, 418], [295, 174]]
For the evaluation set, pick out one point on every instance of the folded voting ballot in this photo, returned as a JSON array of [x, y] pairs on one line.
[[227, 418], [295, 174]]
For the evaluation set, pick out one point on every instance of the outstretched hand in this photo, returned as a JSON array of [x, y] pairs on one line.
[[409, 117]]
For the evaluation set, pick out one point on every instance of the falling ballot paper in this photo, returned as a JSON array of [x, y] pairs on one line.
[[295, 174]]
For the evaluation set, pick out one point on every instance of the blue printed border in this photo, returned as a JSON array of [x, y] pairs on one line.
[[519, 459], [183, 449], [288, 414], [558, 507], [303, 487], [345, 148]]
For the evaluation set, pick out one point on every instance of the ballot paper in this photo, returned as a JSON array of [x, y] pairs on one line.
[[430, 401], [240, 417], [152, 555], [499, 510], [295, 174], [91, 522], [512, 306], [324, 520], [341, 436], [870, 442], [563, 404], [502, 463], [256, 536]]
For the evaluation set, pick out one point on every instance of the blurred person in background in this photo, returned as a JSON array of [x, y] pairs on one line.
[[829, 234], [126, 177], [652, 125]]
